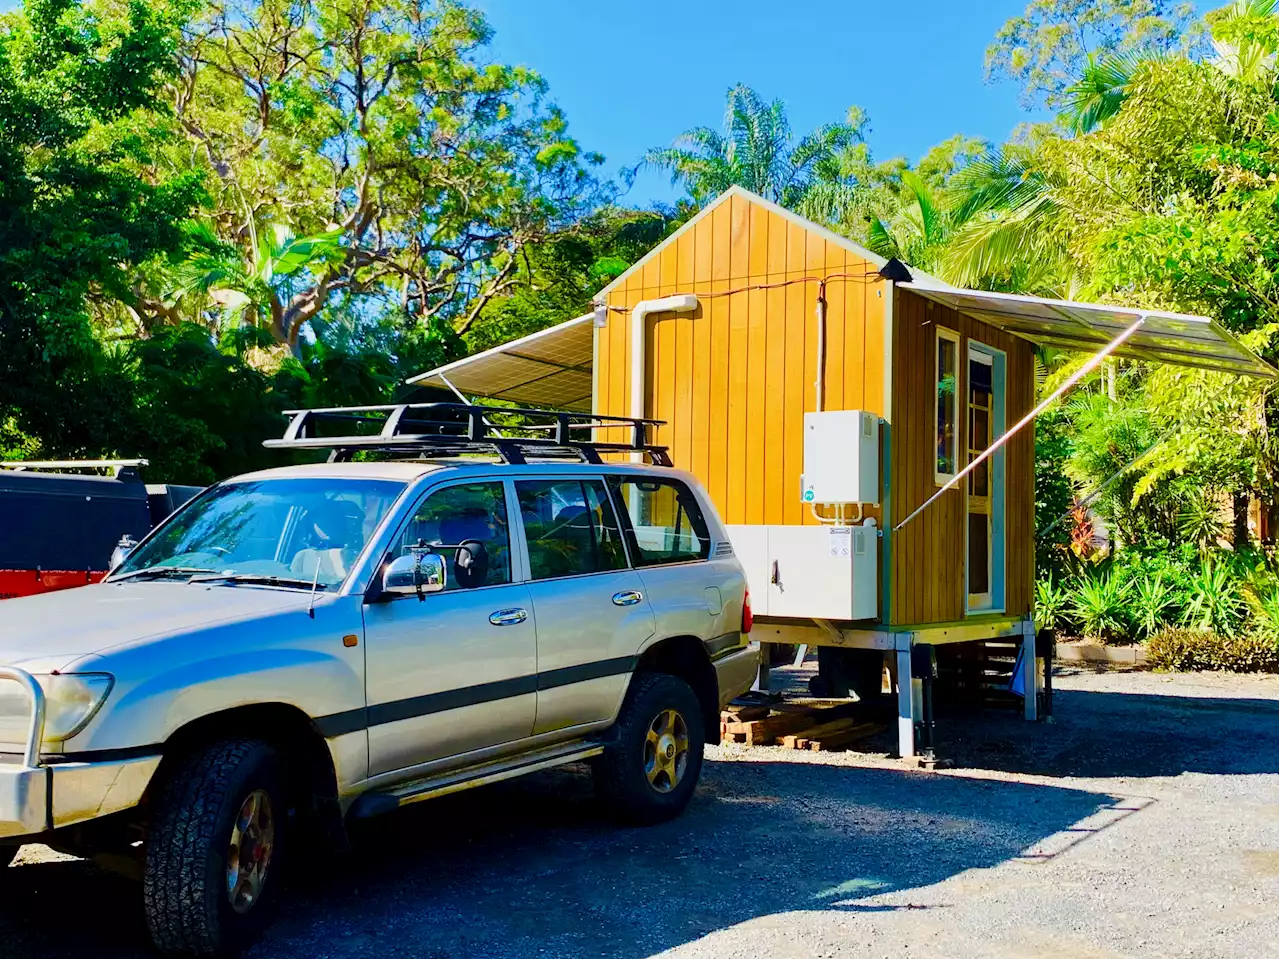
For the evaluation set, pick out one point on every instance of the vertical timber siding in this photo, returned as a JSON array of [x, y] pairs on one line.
[[733, 379], [929, 553]]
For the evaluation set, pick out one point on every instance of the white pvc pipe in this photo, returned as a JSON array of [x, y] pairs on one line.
[[680, 303], [1069, 382]]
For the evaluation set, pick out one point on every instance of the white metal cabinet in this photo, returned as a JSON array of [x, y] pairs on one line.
[[810, 572]]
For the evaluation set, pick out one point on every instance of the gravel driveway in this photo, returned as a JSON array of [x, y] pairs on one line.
[[1142, 823]]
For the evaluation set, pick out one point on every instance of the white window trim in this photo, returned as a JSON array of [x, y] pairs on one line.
[[944, 333]]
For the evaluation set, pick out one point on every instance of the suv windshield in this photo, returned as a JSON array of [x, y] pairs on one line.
[[285, 532]]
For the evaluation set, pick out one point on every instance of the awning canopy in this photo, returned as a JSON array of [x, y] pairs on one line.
[[550, 368], [1163, 337]]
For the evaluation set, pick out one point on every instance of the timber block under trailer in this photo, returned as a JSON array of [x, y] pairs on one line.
[[900, 643]]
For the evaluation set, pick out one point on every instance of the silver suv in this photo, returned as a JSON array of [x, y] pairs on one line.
[[302, 646]]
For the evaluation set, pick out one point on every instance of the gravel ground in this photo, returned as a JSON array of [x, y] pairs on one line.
[[1143, 822]]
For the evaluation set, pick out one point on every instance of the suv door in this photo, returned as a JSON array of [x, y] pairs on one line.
[[592, 614], [452, 671]]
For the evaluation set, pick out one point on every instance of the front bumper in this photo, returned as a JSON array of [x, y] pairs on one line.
[[37, 797], [736, 671]]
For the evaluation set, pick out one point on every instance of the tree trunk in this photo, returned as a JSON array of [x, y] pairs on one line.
[[1240, 519]]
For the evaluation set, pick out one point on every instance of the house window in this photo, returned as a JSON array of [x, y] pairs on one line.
[[946, 399]]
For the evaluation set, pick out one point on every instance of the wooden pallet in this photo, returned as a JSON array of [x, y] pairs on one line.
[[814, 725]]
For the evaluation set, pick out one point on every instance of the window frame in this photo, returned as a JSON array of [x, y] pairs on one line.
[[517, 557], [582, 479], [941, 333], [630, 540]]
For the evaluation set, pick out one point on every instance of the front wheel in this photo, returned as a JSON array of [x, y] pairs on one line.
[[213, 853], [649, 774]]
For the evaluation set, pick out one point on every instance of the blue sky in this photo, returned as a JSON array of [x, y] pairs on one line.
[[633, 75]]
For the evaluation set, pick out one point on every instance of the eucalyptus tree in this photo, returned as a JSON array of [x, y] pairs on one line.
[[756, 150], [376, 131]]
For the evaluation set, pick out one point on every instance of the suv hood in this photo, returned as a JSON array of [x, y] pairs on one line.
[[53, 630]]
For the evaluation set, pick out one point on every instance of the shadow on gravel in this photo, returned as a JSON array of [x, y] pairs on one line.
[[1099, 735], [531, 868]]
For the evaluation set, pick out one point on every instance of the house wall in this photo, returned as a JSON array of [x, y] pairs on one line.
[[928, 554], [734, 378]]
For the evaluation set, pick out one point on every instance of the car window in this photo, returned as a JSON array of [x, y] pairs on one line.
[[309, 529], [455, 515], [570, 528], [667, 525]]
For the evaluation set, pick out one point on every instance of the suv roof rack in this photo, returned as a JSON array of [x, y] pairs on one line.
[[458, 429]]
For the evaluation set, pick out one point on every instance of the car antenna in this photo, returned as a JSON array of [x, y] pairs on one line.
[[311, 603]]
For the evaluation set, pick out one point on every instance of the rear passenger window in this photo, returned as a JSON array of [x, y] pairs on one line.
[[666, 524], [570, 527]]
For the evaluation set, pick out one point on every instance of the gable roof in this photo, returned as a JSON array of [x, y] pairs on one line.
[[797, 219]]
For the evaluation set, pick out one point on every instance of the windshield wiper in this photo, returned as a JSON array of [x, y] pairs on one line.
[[160, 572], [254, 578]]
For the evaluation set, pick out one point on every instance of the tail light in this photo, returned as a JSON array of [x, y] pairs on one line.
[[747, 618]]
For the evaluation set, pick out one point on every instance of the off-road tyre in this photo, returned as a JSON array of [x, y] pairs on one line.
[[620, 779], [184, 890]]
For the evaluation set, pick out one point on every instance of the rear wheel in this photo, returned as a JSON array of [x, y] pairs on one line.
[[214, 850], [649, 774]]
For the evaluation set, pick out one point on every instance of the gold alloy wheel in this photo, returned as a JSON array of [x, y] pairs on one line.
[[253, 836], [666, 750]]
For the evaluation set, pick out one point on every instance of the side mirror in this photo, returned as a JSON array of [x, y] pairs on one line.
[[122, 550], [415, 574]]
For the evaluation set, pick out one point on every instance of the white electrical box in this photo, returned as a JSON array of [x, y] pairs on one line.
[[810, 572], [841, 457]]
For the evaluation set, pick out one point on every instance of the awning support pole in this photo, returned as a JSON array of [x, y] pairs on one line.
[[1066, 384], [458, 393]]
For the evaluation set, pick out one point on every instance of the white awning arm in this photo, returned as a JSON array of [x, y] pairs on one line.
[[458, 393], [1066, 384]]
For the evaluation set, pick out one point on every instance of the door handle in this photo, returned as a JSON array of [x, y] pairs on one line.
[[508, 617], [628, 597]]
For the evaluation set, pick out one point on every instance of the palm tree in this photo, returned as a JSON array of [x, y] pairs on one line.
[[917, 230], [1101, 90], [1001, 208], [755, 151]]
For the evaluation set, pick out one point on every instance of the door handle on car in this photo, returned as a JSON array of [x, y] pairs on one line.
[[628, 597], [508, 617]]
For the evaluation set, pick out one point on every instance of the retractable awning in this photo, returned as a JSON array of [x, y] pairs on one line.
[[550, 368], [1176, 338]]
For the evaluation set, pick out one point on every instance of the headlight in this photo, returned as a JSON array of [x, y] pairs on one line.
[[70, 700]]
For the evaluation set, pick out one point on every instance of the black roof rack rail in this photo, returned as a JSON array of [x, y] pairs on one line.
[[456, 429]]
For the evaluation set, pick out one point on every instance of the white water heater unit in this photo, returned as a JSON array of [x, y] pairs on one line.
[[841, 457]]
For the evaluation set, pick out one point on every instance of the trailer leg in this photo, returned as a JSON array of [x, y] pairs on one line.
[[906, 702], [1030, 692]]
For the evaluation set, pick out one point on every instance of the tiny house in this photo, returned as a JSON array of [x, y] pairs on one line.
[[824, 395]]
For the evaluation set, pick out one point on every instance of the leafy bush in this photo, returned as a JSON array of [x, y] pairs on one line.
[[1053, 604], [1101, 606], [1214, 600], [1154, 601], [1202, 649]]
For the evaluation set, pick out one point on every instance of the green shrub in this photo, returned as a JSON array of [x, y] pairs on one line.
[[1052, 604], [1101, 606], [1214, 600], [1201, 649], [1154, 603]]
